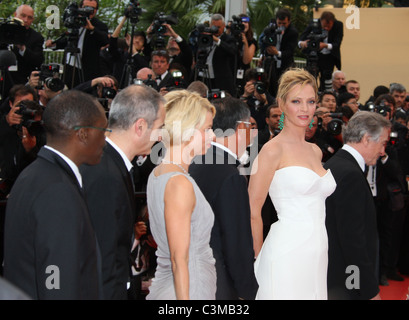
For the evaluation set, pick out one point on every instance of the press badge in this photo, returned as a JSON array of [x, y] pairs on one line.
[[240, 73]]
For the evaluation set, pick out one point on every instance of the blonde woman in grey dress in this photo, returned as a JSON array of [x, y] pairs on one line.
[[180, 217]]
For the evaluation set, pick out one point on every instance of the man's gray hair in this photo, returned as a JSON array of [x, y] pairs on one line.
[[364, 122], [337, 72], [133, 103], [217, 17], [396, 87]]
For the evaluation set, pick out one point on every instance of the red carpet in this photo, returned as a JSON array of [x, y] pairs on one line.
[[397, 290]]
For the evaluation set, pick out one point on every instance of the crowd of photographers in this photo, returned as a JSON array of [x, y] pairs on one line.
[[219, 56]]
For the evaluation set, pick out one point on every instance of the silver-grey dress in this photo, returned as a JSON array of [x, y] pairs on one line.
[[202, 272]]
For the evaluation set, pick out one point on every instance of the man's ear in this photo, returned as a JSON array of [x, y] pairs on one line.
[[140, 126], [82, 135]]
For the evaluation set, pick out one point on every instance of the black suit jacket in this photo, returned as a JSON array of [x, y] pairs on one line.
[[47, 224], [112, 207], [93, 41], [31, 60], [224, 64], [231, 239], [335, 36], [287, 47], [167, 81], [352, 230]]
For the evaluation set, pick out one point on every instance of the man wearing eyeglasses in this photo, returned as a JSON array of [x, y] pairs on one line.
[[217, 175], [50, 247], [92, 37], [136, 114]]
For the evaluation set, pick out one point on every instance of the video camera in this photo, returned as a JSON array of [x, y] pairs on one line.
[[133, 11], [50, 76], [159, 30], [12, 31], [315, 37], [75, 17], [236, 27], [28, 110], [270, 34], [205, 37]]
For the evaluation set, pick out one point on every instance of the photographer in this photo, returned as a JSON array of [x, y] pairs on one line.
[[137, 55], [219, 57], [278, 43], [256, 95], [30, 54], [179, 51], [328, 135], [240, 28], [21, 134], [327, 49], [47, 83], [88, 39]]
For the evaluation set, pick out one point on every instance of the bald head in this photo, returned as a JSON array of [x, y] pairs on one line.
[[26, 14]]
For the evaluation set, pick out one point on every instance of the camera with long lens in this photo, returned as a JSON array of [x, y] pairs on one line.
[[259, 85], [28, 110], [159, 30], [382, 109], [75, 17], [270, 34], [12, 31], [148, 82], [236, 27], [335, 125], [107, 94], [49, 75], [133, 11]]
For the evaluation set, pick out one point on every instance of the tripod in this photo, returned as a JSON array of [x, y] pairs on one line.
[[72, 49], [202, 68], [269, 64], [128, 70]]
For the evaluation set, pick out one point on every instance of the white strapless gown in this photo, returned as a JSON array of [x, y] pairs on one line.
[[293, 261]]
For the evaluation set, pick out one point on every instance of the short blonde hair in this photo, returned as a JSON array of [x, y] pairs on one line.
[[293, 77], [185, 112]]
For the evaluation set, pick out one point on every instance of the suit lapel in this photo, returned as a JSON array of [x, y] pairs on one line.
[[56, 159], [126, 176]]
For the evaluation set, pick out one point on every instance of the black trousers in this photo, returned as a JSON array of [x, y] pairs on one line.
[[326, 65]]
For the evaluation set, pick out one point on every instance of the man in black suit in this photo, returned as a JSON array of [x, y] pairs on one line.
[[350, 211], [329, 52], [30, 54], [135, 113], [221, 61], [51, 250], [160, 66], [280, 57], [225, 189], [91, 38]]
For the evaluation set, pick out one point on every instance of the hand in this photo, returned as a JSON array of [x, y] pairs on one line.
[[21, 47], [304, 44], [260, 97], [323, 45], [271, 50], [163, 91], [12, 117], [28, 141], [140, 229], [169, 31], [104, 81], [89, 25], [49, 43], [248, 89], [34, 79]]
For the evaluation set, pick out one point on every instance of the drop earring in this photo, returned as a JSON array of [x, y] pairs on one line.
[[281, 121], [311, 123]]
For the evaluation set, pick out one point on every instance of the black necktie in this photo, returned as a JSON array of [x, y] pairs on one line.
[[366, 171]]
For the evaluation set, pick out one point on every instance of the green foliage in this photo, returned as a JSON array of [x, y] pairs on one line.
[[189, 12]]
